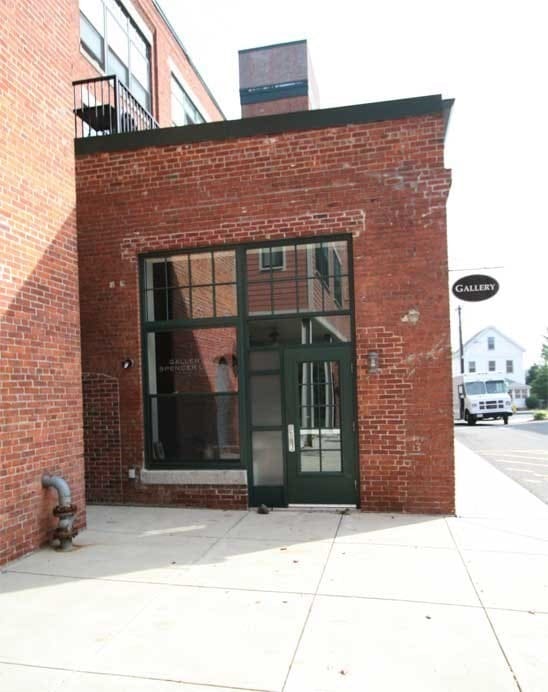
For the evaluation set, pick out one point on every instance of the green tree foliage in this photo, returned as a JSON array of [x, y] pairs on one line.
[[539, 386], [544, 350], [531, 374]]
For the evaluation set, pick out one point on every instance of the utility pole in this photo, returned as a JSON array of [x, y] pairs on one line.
[[459, 309]]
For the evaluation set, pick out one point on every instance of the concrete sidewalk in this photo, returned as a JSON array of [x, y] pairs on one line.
[[181, 600]]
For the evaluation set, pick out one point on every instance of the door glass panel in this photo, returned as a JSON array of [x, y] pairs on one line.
[[266, 400], [319, 406], [268, 458]]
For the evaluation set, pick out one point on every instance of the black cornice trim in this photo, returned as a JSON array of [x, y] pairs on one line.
[[266, 125]]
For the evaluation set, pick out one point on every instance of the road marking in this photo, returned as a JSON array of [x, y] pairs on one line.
[[519, 461]]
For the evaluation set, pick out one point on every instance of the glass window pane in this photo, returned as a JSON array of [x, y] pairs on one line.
[[93, 10], [285, 296], [264, 360], [305, 260], [310, 461], [339, 249], [116, 67], [200, 361], [332, 461], [140, 67], [295, 330], [201, 268], [268, 467], [138, 39], [259, 298], [225, 266], [195, 429], [91, 39], [177, 271], [202, 302], [311, 295], [265, 398], [140, 93], [156, 305], [117, 38], [225, 300], [178, 303]]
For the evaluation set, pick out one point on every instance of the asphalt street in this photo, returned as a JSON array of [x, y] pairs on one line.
[[519, 449]]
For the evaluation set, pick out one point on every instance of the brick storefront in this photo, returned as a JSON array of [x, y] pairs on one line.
[[380, 180]]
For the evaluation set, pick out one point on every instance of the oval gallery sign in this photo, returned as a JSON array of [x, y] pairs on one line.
[[475, 287]]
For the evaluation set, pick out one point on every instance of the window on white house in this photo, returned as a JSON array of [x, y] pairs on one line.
[[492, 366], [509, 366], [491, 343], [472, 366], [109, 35], [183, 110]]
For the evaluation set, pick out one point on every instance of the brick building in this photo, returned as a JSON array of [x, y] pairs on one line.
[[46, 46], [263, 303]]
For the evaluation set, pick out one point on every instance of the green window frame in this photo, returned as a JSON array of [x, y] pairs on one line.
[[175, 287]]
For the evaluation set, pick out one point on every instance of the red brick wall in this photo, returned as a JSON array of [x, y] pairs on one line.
[[40, 379], [384, 183], [102, 438], [289, 105], [164, 47]]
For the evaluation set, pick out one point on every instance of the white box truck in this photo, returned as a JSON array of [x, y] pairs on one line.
[[481, 396]]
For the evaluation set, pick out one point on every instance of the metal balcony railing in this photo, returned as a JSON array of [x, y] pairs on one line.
[[105, 106]]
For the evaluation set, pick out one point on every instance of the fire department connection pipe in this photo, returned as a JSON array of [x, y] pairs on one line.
[[65, 510]]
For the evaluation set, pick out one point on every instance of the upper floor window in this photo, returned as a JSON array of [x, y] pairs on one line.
[[337, 280], [492, 366], [472, 366], [183, 110], [509, 366], [113, 39], [491, 343]]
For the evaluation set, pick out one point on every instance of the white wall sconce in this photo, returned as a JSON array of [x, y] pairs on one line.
[[372, 361]]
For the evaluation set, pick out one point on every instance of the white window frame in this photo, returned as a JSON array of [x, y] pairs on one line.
[[509, 367], [490, 343], [494, 364], [471, 366], [264, 252]]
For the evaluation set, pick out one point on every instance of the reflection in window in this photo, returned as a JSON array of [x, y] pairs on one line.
[[296, 278], [191, 286], [193, 395], [319, 420], [327, 329]]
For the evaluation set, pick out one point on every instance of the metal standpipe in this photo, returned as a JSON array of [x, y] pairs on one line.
[[65, 510]]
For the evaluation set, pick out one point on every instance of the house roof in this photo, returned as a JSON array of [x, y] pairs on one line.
[[483, 331]]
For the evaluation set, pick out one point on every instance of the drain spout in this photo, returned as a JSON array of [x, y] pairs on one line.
[[65, 510]]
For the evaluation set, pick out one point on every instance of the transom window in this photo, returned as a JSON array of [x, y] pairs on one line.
[[112, 38], [183, 110]]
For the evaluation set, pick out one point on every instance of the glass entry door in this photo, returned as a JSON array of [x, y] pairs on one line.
[[319, 420]]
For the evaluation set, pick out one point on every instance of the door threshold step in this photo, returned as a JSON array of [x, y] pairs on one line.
[[315, 508]]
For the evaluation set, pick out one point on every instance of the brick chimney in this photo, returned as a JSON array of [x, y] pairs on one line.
[[277, 79]]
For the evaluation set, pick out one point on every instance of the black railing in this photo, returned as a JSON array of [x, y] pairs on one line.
[[105, 106]]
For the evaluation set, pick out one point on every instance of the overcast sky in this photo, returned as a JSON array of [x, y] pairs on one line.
[[489, 56]]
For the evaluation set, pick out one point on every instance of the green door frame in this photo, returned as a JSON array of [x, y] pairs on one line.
[[320, 487]]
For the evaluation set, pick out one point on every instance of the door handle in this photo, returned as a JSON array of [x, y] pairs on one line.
[[291, 437]]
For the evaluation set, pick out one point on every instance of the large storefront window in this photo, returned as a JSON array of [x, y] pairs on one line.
[[192, 360], [243, 345]]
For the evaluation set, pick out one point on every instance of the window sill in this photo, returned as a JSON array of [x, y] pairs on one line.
[[194, 477]]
